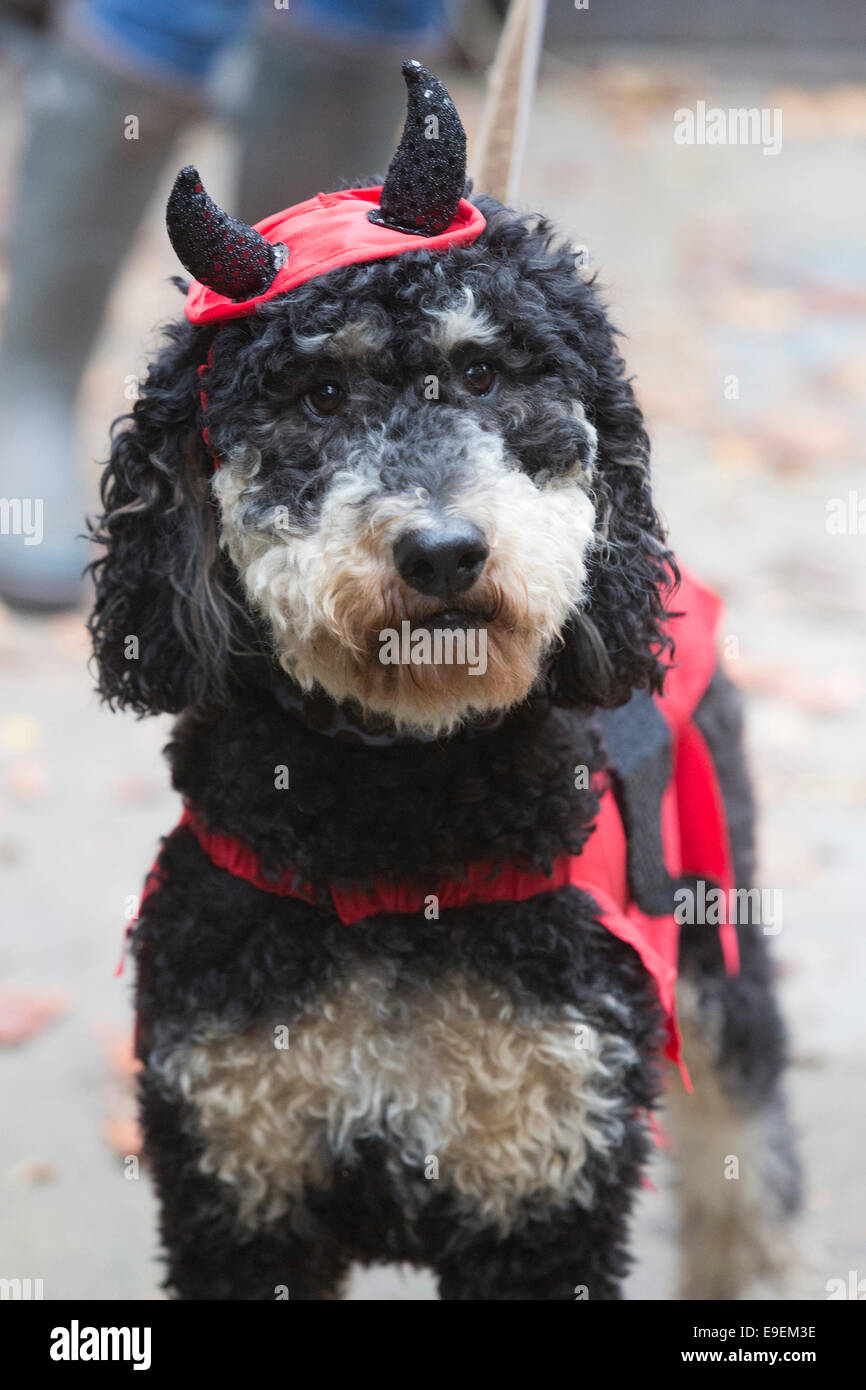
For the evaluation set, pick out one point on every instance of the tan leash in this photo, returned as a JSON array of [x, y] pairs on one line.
[[500, 146]]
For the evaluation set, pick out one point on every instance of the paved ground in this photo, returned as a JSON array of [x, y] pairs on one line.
[[722, 264]]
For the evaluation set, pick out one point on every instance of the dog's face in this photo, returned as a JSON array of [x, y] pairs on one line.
[[387, 471], [430, 471]]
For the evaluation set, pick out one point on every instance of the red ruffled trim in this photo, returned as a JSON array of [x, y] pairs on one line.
[[599, 870], [694, 838]]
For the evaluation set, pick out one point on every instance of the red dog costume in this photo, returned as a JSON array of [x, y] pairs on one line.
[[246, 267], [693, 831]]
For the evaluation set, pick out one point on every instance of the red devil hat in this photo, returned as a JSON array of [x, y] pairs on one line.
[[419, 207]]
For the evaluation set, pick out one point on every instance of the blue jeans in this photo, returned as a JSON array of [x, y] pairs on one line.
[[184, 39]]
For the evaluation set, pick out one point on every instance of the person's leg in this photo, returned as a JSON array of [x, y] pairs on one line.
[[103, 107], [81, 190], [325, 104]]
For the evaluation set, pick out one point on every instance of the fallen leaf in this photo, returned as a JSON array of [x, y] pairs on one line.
[[761, 308], [69, 634], [808, 1059], [122, 1134], [19, 733], [10, 851], [818, 1199], [835, 301], [850, 376], [117, 1043], [26, 780], [24, 1013], [828, 113], [136, 790], [830, 693], [737, 453], [795, 437], [35, 1172]]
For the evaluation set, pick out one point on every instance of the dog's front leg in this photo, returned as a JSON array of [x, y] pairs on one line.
[[209, 1253], [553, 1252]]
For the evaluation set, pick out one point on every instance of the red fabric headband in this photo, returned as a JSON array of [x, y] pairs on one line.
[[322, 234]]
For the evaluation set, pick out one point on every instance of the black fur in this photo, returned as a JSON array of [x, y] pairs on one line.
[[163, 577], [210, 947]]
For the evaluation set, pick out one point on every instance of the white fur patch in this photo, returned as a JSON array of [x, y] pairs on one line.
[[461, 324], [351, 341], [328, 593], [463, 1087], [579, 413]]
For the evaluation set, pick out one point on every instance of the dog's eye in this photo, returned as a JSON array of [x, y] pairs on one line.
[[479, 378], [326, 397]]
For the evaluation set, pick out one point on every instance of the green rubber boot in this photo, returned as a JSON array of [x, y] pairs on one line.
[[82, 187]]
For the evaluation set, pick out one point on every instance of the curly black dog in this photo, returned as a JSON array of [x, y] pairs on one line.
[[427, 439]]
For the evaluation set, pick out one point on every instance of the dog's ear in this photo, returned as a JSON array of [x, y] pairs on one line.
[[617, 642], [163, 625]]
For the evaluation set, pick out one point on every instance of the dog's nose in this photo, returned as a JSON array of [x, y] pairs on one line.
[[441, 561]]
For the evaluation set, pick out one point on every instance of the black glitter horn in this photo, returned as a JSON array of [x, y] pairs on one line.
[[427, 175], [230, 257]]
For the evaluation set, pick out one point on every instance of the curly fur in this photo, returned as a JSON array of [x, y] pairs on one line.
[[499, 1103], [555, 346], [410, 1038]]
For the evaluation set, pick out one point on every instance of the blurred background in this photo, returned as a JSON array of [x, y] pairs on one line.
[[737, 273]]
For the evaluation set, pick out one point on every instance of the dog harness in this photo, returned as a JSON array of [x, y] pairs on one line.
[[661, 815], [661, 820]]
